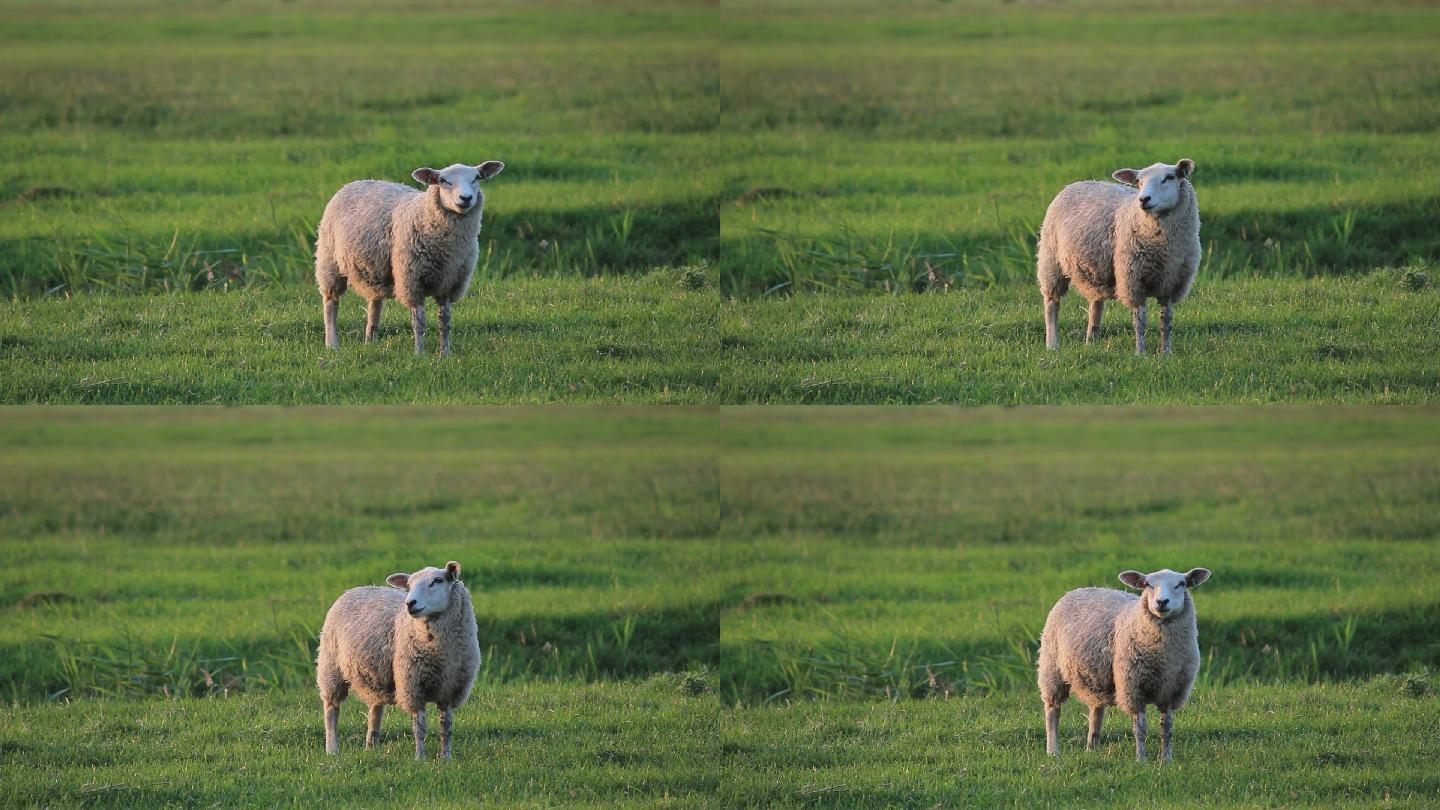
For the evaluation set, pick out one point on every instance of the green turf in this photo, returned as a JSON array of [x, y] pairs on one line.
[[650, 339], [1365, 745], [863, 140], [643, 744], [873, 543], [1323, 340], [145, 548], [190, 145]]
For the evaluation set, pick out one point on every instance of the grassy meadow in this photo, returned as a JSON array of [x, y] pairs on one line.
[[893, 569], [168, 572], [164, 145], [865, 140]]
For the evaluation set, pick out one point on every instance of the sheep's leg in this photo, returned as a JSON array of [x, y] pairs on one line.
[[1140, 736], [1052, 730], [419, 726], [1140, 329], [332, 728], [446, 718], [1052, 323], [417, 326], [1092, 332], [1097, 717], [1167, 725], [372, 319], [372, 731], [332, 312], [1165, 317], [445, 328]]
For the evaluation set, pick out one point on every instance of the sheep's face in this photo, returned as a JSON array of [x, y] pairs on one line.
[[457, 187], [1166, 593], [1158, 186], [427, 590]]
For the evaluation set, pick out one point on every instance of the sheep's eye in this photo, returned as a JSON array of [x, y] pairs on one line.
[[438, 580], [444, 182], [1169, 177]]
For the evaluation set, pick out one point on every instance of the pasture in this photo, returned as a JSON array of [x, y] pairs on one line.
[[876, 548], [168, 571]]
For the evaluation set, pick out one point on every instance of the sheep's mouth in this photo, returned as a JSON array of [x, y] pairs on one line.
[[1147, 206]]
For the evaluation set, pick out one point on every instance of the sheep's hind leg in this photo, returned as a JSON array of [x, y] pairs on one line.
[[372, 732], [1140, 321], [1052, 323], [446, 717], [332, 728], [1165, 317], [372, 318], [1097, 717], [419, 726], [332, 313], [1139, 725], [417, 326], [1167, 725], [1092, 331], [445, 327], [1052, 730]]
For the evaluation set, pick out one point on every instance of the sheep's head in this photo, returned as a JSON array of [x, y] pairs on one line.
[[1165, 592], [1158, 186], [457, 187], [428, 590]]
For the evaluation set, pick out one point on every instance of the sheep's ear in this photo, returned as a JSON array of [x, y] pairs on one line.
[[490, 168], [401, 581], [1134, 579], [1126, 176], [1185, 167], [1195, 576], [426, 175], [452, 571]]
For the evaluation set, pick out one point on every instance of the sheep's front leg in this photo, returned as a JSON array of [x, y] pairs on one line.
[[1167, 725], [419, 726], [1052, 323], [446, 717], [1140, 736], [1052, 730], [1092, 332], [1140, 329], [445, 328], [372, 319], [1165, 318], [417, 326], [332, 313], [372, 731], [332, 728], [1097, 717]]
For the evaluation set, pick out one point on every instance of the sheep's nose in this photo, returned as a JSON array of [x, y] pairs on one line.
[[409, 603], [1145, 199], [1162, 603], [465, 200]]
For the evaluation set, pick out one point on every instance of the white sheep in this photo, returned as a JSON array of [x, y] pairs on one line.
[[392, 241], [401, 648], [1115, 649], [1133, 242]]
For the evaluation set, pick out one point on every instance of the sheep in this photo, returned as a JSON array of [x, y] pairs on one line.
[[392, 241], [1115, 649], [1112, 241], [400, 648]]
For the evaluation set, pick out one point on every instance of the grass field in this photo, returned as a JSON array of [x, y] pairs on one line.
[[863, 140], [647, 339], [191, 555], [877, 546], [166, 145]]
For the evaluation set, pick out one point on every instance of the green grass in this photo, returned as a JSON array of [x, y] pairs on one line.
[[875, 543], [650, 339], [864, 140], [1241, 746], [191, 552], [1241, 341], [642, 744], [165, 145]]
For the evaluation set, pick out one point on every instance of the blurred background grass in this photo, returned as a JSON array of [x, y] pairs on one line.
[[184, 145]]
